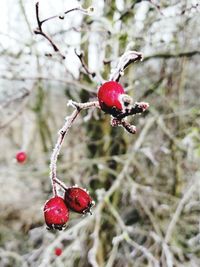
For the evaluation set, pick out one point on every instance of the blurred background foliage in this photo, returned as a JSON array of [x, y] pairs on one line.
[[145, 185]]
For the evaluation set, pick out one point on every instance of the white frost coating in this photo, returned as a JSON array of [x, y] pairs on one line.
[[63, 131], [126, 59]]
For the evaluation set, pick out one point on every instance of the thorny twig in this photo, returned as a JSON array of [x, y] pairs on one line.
[[40, 31]]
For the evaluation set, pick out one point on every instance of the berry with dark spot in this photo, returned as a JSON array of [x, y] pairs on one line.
[[78, 200], [56, 213]]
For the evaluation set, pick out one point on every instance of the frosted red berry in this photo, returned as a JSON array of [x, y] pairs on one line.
[[109, 96], [21, 157], [58, 251], [56, 213], [78, 200]]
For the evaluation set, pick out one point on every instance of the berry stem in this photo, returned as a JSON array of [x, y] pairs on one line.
[[60, 183], [62, 133]]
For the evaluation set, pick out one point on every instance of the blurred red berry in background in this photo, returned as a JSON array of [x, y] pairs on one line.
[[21, 157], [58, 251]]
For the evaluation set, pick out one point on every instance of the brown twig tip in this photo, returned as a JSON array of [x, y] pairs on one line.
[[85, 67], [125, 124]]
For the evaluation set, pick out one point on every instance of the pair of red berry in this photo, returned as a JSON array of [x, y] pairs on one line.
[[56, 209]]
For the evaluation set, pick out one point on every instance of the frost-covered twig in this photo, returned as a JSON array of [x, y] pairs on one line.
[[62, 132], [179, 209], [126, 59], [125, 236], [92, 254]]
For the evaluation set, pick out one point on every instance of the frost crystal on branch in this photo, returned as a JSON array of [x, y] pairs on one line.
[[126, 59]]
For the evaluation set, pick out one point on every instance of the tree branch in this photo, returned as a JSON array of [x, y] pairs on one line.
[[85, 67], [40, 31], [168, 55]]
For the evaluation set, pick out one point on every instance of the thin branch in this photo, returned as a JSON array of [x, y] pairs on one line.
[[61, 16], [169, 55], [179, 209], [85, 67], [25, 16], [125, 236], [190, 8], [37, 16], [125, 124], [40, 31], [157, 6], [62, 133]]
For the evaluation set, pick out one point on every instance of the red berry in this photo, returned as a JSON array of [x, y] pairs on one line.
[[21, 157], [78, 200], [108, 96], [56, 213], [58, 251]]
